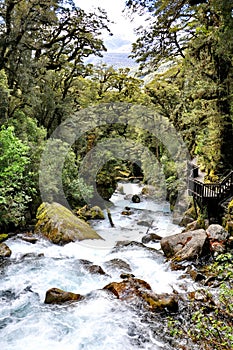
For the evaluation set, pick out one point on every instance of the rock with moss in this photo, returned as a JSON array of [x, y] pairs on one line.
[[5, 251], [59, 225], [91, 213], [3, 237]]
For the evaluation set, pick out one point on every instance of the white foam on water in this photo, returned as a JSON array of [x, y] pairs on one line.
[[100, 322]]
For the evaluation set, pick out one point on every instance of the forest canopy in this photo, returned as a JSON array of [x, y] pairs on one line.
[[186, 47]]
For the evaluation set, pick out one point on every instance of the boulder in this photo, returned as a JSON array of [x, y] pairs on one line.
[[136, 199], [61, 226], [5, 251], [218, 238], [194, 225], [217, 233], [91, 213], [59, 296], [121, 246], [118, 265], [28, 237], [134, 290], [185, 246]]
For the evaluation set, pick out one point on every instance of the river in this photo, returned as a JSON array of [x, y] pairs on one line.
[[99, 322]]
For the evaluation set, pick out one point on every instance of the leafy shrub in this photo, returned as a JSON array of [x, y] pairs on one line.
[[14, 198]]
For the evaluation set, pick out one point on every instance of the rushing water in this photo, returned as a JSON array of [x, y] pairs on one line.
[[100, 322]]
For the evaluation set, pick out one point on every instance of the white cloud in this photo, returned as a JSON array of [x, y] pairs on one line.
[[122, 27]]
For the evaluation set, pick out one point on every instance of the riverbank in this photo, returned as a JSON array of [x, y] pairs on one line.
[[103, 320]]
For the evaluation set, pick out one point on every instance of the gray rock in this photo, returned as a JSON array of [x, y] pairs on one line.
[[217, 232], [185, 246]]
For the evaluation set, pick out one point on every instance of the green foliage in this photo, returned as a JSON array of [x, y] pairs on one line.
[[209, 323], [14, 159], [61, 159]]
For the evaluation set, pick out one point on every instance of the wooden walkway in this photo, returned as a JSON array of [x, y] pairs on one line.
[[210, 195]]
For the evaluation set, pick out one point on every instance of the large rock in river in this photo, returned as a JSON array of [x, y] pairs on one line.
[[61, 226], [5, 251], [138, 292], [59, 296], [185, 246]]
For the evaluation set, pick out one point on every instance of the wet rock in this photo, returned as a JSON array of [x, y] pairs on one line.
[[136, 199], [121, 246], [95, 269], [152, 237], [91, 268], [185, 246], [144, 223], [61, 226], [126, 212], [28, 238], [126, 275], [186, 220], [128, 288], [119, 265], [196, 276], [5, 251], [59, 296], [3, 237], [218, 237], [91, 213], [134, 290], [32, 256], [148, 191], [194, 225], [174, 266]]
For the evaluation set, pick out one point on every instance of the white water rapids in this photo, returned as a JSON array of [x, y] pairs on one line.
[[99, 322]]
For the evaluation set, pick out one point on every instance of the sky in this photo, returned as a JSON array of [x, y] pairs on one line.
[[122, 29]]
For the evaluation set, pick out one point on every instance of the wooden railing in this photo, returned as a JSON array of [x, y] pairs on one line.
[[219, 190]]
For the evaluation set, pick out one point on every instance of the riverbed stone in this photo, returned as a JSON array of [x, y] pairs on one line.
[[121, 246], [28, 237], [59, 296], [118, 265], [186, 245], [136, 199], [139, 292], [151, 237], [59, 225], [5, 251]]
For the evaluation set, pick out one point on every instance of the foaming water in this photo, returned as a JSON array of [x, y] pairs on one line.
[[100, 321]]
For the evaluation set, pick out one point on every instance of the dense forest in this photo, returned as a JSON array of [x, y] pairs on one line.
[[44, 79], [59, 112]]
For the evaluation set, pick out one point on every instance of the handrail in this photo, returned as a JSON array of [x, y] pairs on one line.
[[211, 190]]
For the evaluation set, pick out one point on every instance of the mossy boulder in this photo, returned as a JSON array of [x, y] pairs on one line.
[[90, 213], [3, 237], [61, 226]]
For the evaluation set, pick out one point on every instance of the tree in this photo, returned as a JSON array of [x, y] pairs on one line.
[[197, 36], [45, 43]]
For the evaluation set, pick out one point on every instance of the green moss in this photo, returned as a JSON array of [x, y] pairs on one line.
[[61, 226], [3, 237]]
